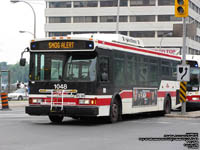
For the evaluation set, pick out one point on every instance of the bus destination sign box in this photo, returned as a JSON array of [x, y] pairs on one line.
[[62, 45]]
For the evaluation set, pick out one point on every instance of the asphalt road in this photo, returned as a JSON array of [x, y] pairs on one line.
[[19, 131]]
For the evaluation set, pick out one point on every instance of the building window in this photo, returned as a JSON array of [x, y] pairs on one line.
[[164, 2], [123, 2], [80, 32], [108, 19], [165, 33], [142, 2], [142, 33], [168, 18], [123, 32], [123, 18], [113, 3], [107, 32], [146, 18], [59, 19], [85, 4], [113, 18], [85, 19], [59, 34], [60, 4]]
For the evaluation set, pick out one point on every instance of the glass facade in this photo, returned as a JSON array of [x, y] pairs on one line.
[[85, 19], [59, 19], [85, 4], [66, 4], [143, 18], [142, 2]]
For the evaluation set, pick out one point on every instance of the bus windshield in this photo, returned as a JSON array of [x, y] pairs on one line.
[[193, 84], [63, 66]]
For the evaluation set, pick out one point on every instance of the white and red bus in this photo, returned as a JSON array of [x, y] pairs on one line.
[[193, 90], [96, 75]]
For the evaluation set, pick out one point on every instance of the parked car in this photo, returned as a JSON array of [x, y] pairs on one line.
[[19, 94]]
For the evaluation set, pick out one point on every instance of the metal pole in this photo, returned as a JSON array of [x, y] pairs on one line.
[[8, 81], [117, 21], [184, 51], [34, 18], [164, 35], [16, 1], [27, 32]]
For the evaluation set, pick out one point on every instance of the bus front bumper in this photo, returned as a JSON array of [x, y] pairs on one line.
[[71, 111]]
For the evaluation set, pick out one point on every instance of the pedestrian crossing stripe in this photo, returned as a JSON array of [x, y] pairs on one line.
[[182, 93]]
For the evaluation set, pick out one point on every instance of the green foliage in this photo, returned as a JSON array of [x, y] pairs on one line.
[[17, 72]]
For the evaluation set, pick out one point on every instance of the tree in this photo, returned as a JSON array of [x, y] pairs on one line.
[[17, 72]]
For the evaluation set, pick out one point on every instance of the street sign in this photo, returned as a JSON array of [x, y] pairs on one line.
[[182, 93], [183, 73]]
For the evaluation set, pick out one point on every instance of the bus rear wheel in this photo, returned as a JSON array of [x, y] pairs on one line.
[[56, 118]]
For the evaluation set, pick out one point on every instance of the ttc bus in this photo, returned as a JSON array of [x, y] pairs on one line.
[[96, 75]]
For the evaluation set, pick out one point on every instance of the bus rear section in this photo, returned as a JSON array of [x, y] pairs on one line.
[[88, 77], [193, 90]]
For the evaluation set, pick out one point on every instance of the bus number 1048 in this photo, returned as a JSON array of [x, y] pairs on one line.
[[60, 86]]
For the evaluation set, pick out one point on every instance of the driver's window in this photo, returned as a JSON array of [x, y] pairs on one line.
[[104, 69]]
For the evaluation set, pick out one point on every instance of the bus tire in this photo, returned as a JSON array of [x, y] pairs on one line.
[[56, 118], [114, 111], [167, 106]]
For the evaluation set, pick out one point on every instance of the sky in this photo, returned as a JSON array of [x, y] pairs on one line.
[[13, 18]]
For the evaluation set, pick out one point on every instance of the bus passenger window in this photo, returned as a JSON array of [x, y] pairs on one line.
[[104, 69], [36, 67]]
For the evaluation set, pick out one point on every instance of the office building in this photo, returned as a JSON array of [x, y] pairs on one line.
[[150, 20]]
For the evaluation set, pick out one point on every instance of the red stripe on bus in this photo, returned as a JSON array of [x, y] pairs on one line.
[[104, 101], [126, 94], [129, 94], [164, 93], [99, 101], [137, 49]]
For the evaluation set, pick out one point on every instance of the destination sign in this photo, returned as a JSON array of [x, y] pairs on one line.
[[62, 45]]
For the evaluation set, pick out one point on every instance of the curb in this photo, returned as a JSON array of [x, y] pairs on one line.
[[194, 114]]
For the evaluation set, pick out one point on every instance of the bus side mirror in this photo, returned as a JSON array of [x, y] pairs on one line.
[[22, 62]]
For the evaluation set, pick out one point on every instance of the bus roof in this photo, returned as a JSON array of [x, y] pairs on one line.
[[113, 38], [115, 41]]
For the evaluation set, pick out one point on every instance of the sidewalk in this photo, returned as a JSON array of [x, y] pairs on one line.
[[191, 114], [17, 103]]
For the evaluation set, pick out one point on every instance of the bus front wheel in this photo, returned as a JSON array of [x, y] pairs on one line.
[[114, 112], [56, 118]]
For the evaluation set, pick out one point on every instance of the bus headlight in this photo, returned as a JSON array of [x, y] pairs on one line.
[[37, 101], [84, 101], [195, 98]]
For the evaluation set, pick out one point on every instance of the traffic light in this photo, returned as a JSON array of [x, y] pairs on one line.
[[181, 8]]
